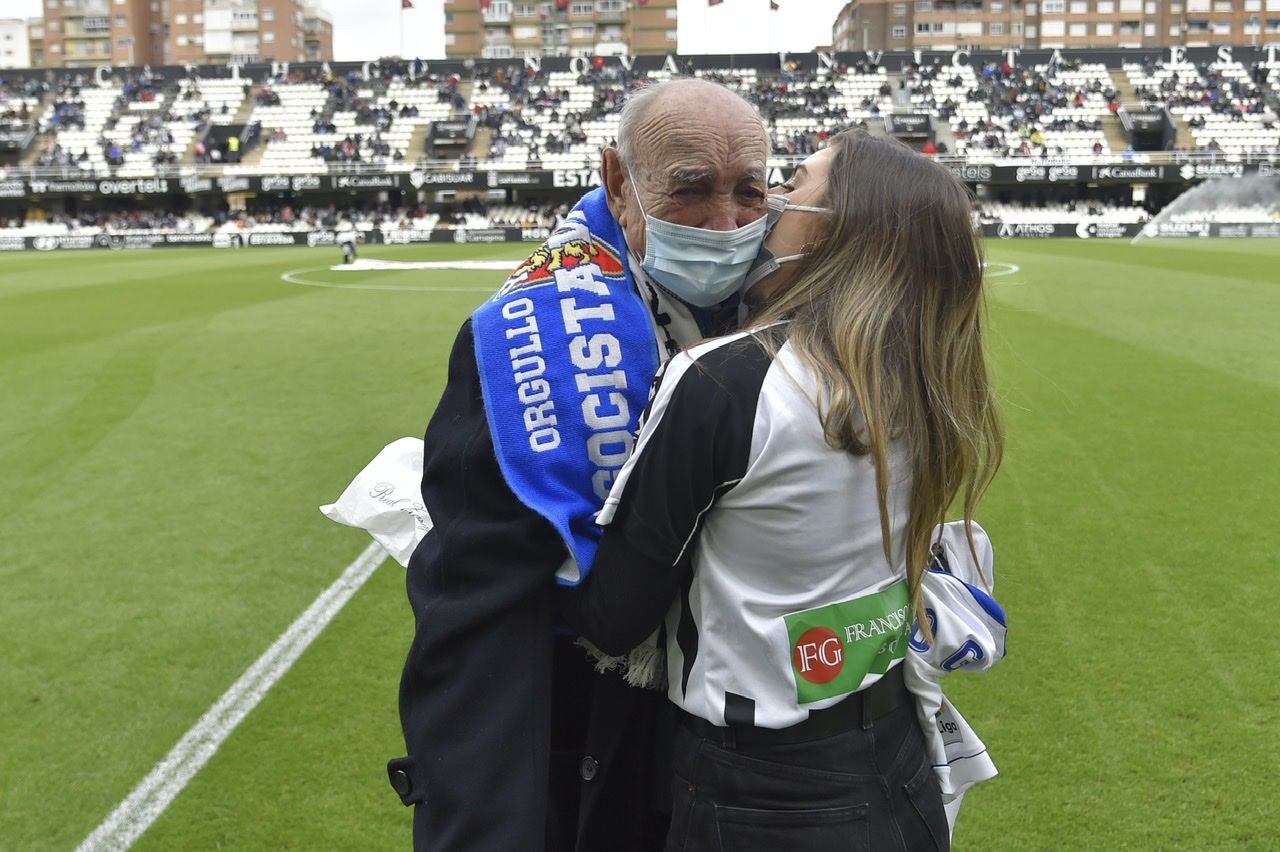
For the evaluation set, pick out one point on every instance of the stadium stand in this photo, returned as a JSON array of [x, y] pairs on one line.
[[511, 118], [306, 122], [561, 124], [19, 104], [1233, 213], [1070, 212], [1003, 111], [804, 109], [285, 218], [211, 101], [1222, 104], [983, 113], [292, 111], [75, 121], [470, 214], [108, 222]]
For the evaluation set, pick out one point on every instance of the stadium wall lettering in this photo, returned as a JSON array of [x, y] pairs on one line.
[[1050, 230], [1031, 173], [153, 240], [996, 230], [1126, 231], [1111, 174]]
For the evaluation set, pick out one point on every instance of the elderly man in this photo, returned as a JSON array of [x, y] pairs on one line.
[[515, 741]]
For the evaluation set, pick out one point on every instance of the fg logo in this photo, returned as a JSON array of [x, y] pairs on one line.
[[819, 655]]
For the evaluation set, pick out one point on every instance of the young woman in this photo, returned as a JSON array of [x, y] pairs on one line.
[[779, 505]]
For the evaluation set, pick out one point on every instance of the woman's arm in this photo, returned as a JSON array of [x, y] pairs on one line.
[[694, 446], [625, 596]]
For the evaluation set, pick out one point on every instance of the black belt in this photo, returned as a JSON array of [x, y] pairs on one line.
[[858, 710]]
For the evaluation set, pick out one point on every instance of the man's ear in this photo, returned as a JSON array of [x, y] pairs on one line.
[[613, 175]]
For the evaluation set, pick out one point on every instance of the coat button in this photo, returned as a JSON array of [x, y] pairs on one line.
[[589, 768], [400, 783]]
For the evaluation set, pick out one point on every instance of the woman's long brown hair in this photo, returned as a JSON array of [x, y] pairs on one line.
[[887, 310]]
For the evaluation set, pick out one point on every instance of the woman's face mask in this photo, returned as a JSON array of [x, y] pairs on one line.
[[767, 262], [793, 233], [700, 266]]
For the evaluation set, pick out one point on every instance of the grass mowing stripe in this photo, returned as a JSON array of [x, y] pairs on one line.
[[149, 799]]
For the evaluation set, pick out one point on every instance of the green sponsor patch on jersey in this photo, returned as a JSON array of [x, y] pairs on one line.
[[835, 647]]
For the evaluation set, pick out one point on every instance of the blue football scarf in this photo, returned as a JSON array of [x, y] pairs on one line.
[[566, 353]]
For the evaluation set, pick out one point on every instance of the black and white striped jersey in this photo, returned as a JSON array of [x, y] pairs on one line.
[[733, 485]]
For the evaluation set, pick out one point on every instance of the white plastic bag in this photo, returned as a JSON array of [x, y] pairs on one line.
[[386, 500]]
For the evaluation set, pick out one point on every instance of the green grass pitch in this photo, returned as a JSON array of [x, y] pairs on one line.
[[171, 420]]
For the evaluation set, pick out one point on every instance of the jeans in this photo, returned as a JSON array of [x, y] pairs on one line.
[[868, 788]]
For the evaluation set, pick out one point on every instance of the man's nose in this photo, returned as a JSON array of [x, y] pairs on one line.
[[729, 214]]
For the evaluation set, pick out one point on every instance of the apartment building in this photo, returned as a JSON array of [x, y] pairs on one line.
[[81, 33], [994, 24], [15, 43], [501, 29], [84, 33], [249, 31]]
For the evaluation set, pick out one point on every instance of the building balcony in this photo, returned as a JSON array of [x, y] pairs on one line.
[[74, 30], [947, 10], [87, 38], [87, 49], [494, 16], [76, 8]]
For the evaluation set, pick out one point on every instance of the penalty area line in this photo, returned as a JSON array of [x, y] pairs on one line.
[[132, 817], [294, 276]]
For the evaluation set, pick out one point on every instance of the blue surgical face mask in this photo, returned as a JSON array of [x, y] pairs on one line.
[[697, 265]]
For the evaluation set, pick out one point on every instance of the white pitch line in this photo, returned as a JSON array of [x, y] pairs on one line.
[[293, 277], [999, 269], [154, 793], [365, 264]]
